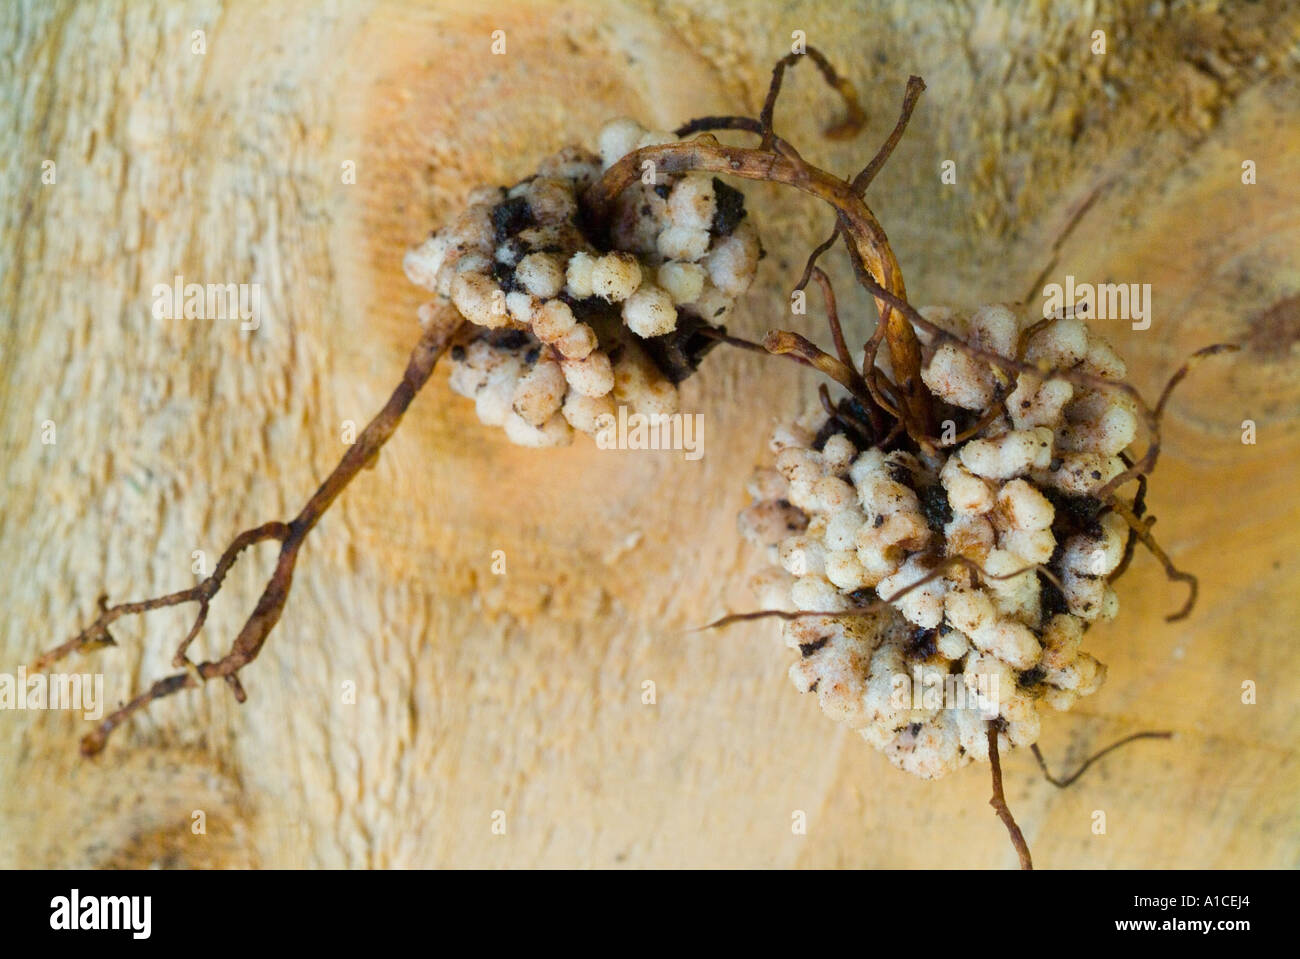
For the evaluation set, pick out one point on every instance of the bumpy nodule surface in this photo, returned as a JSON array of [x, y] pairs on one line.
[[920, 678], [577, 319]]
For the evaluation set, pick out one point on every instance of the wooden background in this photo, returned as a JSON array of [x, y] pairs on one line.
[[522, 692]]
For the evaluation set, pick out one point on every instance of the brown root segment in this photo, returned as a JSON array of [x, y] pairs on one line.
[[716, 333], [248, 644], [1139, 508], [785, 614], [1063, 783], [1075, 219], [967, 563], [1142, 530], [1158, 413], [1182, 371], [847, 127], [837, 332], [915, 87], [815, 255], [774, 161], [885, 602], [785, 343], [999, 802]]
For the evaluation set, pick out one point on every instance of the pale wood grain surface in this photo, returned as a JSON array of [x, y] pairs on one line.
[[523, 692]]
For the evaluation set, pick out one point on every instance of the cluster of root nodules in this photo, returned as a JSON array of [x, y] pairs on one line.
[[572, 319], [961, 581]]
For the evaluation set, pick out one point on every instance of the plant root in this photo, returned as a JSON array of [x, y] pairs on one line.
[[1063, 783], [436, 339], [999, 803], [884, 602]]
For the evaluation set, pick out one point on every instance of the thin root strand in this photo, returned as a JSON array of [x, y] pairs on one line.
[[436, 339], [1063, 783], [999, 803]]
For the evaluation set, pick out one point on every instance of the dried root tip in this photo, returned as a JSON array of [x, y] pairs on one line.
[[814, 256], [915, 87], [1142, 530], [967, 563], [1068, 780], [782, 342], [1145, 465], [788, 615], [720, 335], [1181, 374], [855, 117]]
